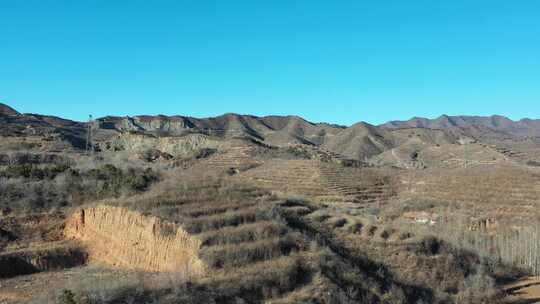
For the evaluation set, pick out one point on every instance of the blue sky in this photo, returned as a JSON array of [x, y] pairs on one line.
[[335, 61]]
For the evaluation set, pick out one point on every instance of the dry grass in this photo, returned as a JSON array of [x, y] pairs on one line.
[[245, 253], [214, 208], [255, 253], [244, 233], [263, 279], [230, 218]]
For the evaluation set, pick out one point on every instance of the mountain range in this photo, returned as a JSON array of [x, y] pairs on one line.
[[359, 141], [495, 123]]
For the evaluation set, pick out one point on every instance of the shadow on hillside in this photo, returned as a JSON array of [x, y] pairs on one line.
[[518, 291], [526, 301], [377, 276], [515, 289]]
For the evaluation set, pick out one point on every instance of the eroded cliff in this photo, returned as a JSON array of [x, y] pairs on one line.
[[120, 237], [174, 145]]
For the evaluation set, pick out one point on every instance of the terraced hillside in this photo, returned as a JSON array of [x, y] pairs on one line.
[[494, 191], [233, 239], [297, 177], [397, 265], [244, 209], [227, 235], [327, 183], [263, 248], [236, 233], [236, 157], [365, 186]]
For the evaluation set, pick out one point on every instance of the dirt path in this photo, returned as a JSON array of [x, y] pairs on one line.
[[399, 162], [527, 289]]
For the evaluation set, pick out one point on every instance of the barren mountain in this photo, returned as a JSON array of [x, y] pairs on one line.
[[357, 142], [495, 123], [272, 129], [360, 141], [397, 143], [7, 110]]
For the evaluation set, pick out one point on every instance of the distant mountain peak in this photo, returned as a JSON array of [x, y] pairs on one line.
[[7, 110], [362, 124]]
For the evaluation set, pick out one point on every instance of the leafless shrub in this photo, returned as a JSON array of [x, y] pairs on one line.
[[478, 288], [337, 222]]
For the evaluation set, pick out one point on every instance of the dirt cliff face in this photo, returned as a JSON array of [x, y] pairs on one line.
[[120, 237], [182, 145], [173, 125]]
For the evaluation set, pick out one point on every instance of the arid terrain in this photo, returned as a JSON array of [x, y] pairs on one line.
[[276, 209]]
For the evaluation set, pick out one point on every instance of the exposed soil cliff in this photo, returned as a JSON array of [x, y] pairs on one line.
[[180, 145], [124, 238]]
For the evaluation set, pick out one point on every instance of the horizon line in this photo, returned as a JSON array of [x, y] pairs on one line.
[[277, 115]]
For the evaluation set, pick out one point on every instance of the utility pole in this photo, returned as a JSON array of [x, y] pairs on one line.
[[89, 147]]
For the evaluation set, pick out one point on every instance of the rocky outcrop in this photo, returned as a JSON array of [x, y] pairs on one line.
[[172, 125], [120, 237], [173, 145]]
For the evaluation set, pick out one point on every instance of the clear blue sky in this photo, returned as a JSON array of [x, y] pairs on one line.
[[336, 61]]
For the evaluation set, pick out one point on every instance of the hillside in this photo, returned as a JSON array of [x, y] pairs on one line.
[[7, 110], [495, 123], [416, 143], [276, 209], [398, 143], [360, 141]]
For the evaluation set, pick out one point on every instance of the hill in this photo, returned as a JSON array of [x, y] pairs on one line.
[[275, 209], [418, 142], [495, 123], [6, 110]]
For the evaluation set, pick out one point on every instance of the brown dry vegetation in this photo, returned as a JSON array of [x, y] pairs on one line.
[[26, 186], [266, 225]]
